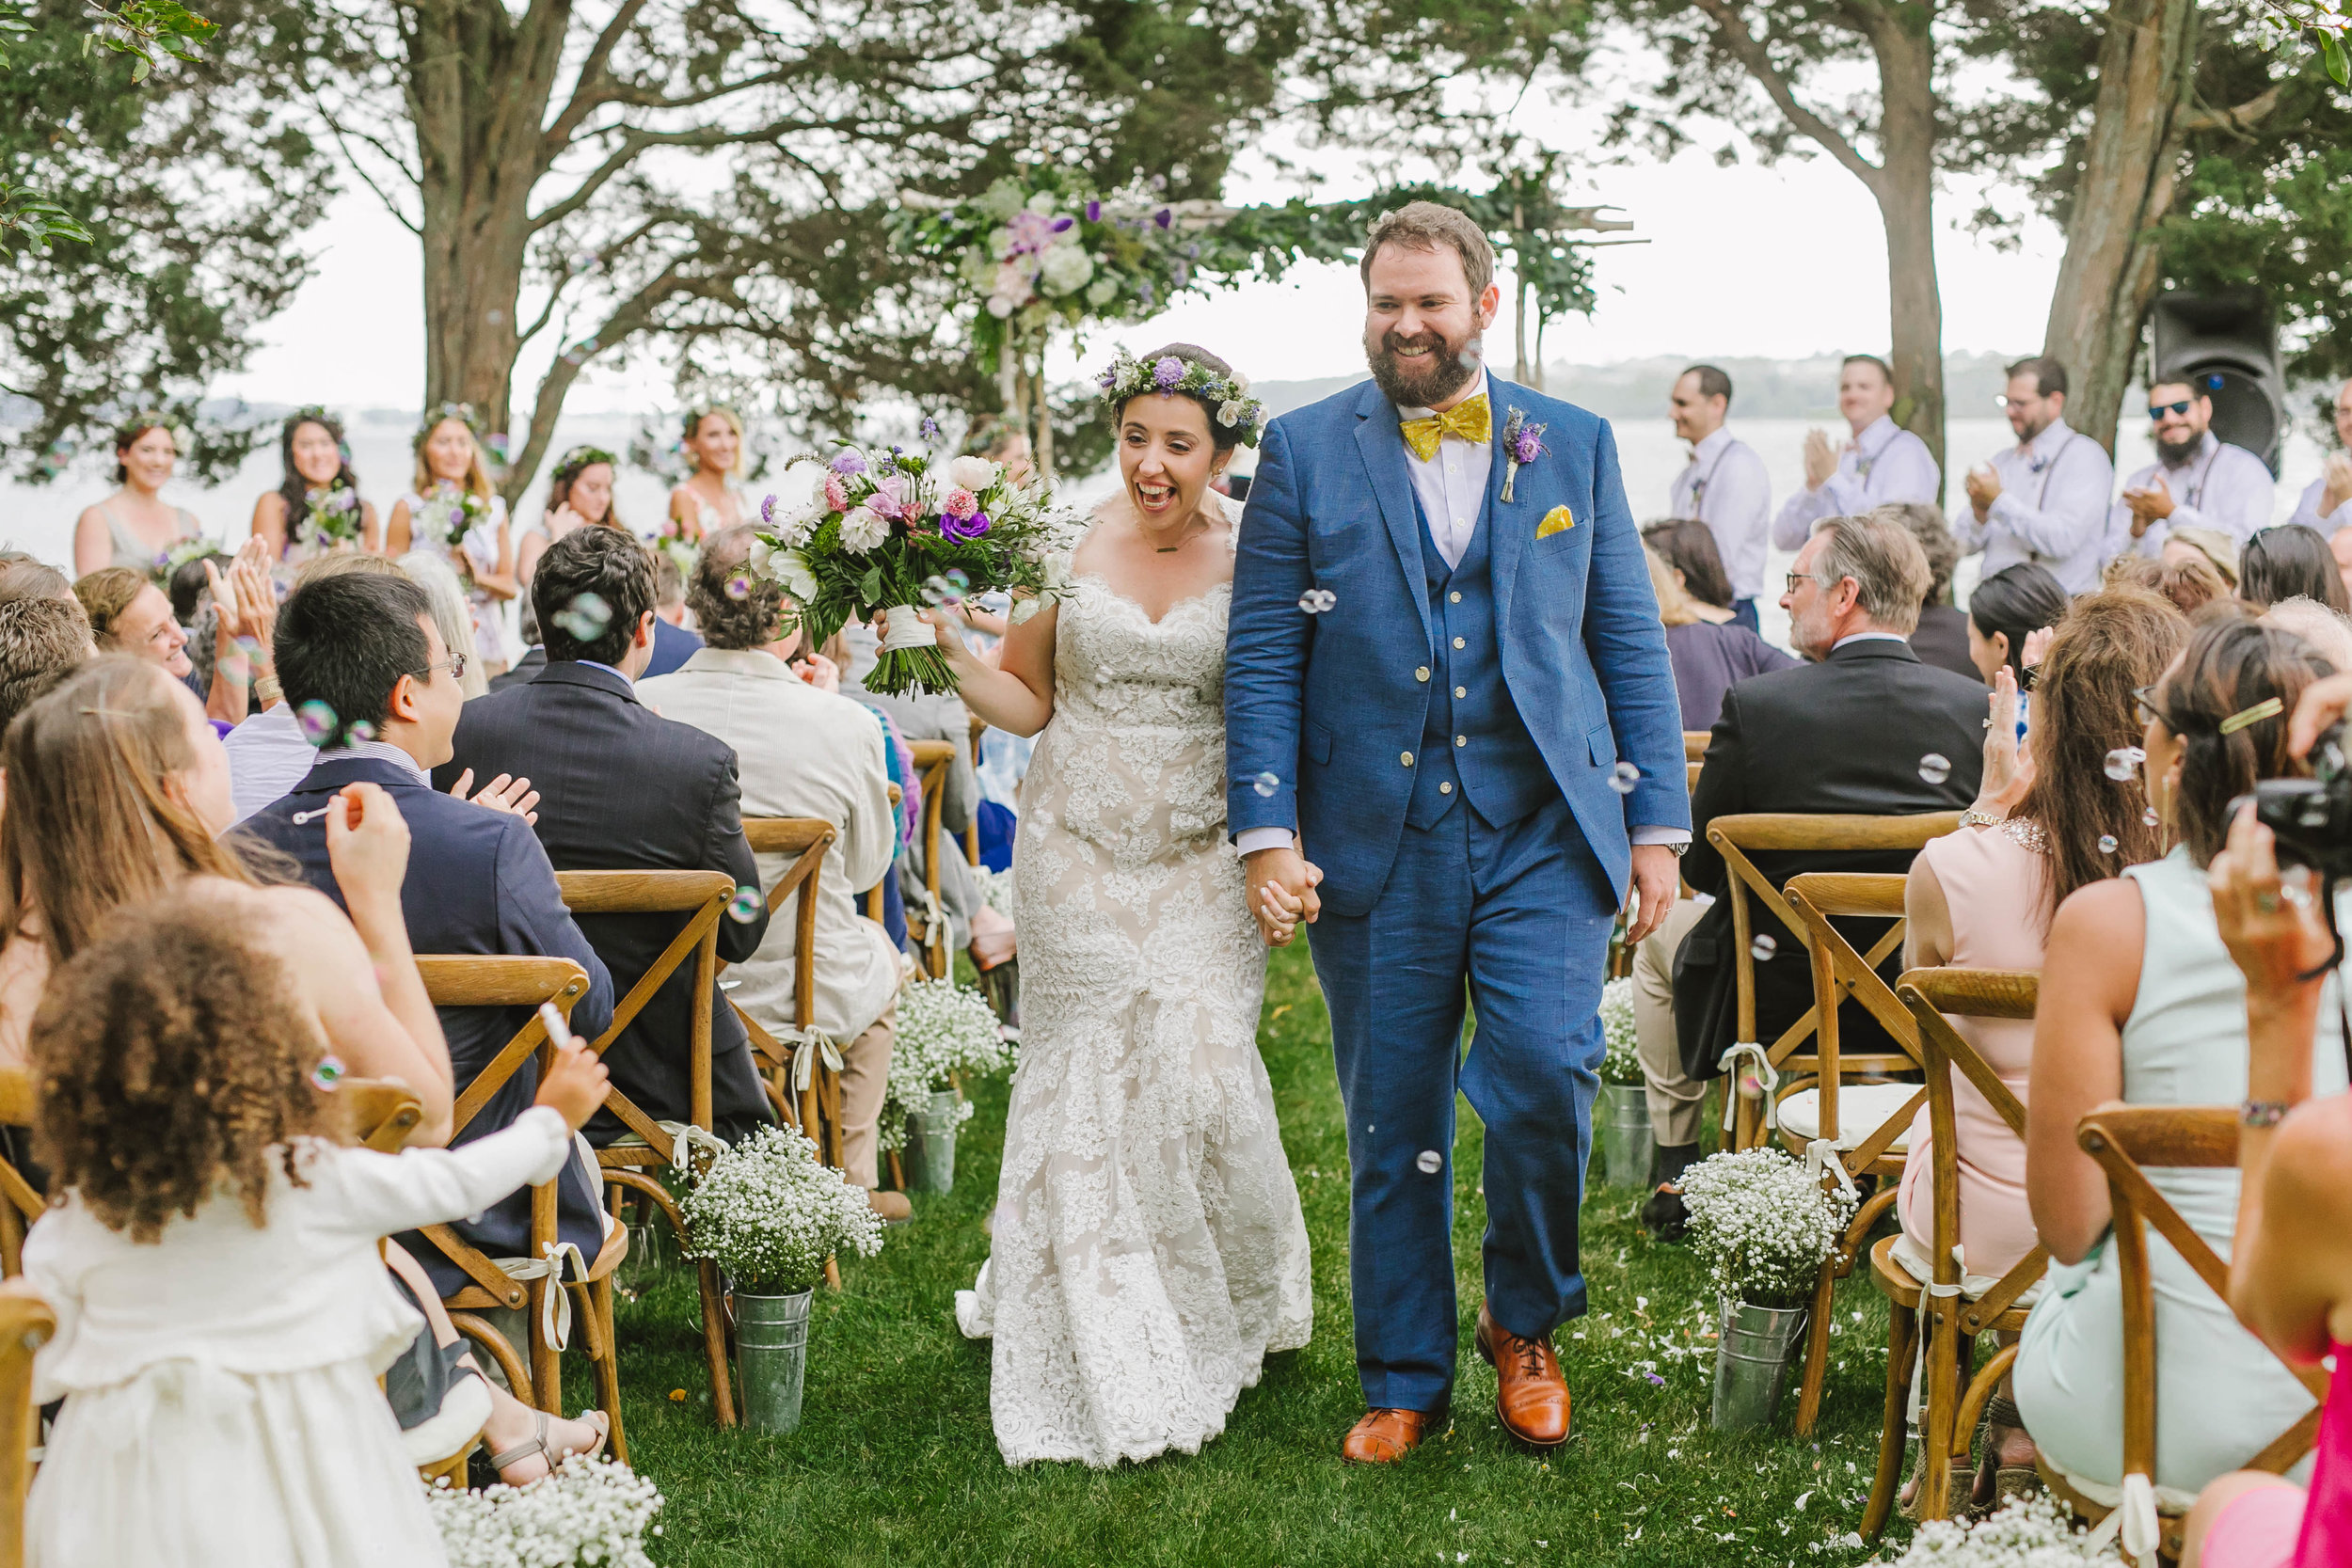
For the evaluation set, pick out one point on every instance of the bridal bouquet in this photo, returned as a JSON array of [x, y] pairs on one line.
[[893, 530], [946, 1034], [589, 1511], [770, 1214], [1763, 1225]]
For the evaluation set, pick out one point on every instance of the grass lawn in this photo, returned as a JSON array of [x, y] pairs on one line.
[[894, 1463]]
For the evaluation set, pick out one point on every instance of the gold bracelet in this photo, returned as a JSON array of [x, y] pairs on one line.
[[267, 689], [1972, 818]]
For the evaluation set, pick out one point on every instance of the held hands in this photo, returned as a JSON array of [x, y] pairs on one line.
[[1820, 460], [367, 845], [1984, 488], [2007, 766], [2151, 505], [510, 795], [1282, 885], [574, 1086], [245, 600]]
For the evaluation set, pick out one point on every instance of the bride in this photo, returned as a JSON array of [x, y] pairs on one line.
[[1148, 1247]]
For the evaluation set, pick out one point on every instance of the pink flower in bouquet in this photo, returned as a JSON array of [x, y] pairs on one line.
[[1032, 232], [836, 494], [885, 501], [960, 504]]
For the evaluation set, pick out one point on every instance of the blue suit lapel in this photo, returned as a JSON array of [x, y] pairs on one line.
[[1508, 521], [1383, 448]]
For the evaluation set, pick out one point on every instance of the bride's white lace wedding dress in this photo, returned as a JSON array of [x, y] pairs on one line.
[[1149, 1249]]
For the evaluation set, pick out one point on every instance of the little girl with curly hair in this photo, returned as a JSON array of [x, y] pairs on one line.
[[222, 1312]]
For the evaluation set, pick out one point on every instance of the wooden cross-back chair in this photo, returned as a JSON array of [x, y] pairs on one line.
[[500, 981], [874, 893], [702, 897], [2127, 1141], [1861, 1127], [1694, 744], [26, 1322], [815, 1108], [21, 1203], [1959, 1306], [972, 830], [932, 760], [1736, 838]]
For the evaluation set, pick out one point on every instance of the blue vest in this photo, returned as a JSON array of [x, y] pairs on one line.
[[1474, 741]]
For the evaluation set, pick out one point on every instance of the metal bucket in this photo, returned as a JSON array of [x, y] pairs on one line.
[[771, 1355], [931, 1152], [1752, 1350], [1624, 1117]]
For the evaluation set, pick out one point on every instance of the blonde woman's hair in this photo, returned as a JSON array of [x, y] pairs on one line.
[[432, 572], [743, 443], [477, 478], [1674, 601]]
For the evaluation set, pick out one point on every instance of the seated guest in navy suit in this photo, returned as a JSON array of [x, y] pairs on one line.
[[673, 644], [366, 648], [624, 789]]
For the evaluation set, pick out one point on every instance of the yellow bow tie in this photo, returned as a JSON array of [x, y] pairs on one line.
[[1469, 419]]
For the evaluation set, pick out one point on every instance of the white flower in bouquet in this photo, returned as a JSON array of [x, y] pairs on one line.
[[1623, 1062], [1763, 1223], [2030, 1532], [1067, 269], [769, 1214], [863, 529], [1041, 203], [788, 568], [975, 474], [588, 1511], [945, 1033]]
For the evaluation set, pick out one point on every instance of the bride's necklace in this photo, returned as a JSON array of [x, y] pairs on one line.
[[1187, 531]]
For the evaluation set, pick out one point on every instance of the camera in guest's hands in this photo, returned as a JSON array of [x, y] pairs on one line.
[[2311, 818]]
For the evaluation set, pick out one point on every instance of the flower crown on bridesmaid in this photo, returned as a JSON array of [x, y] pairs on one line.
[[1226, 397], [462, 412], [138, 424]]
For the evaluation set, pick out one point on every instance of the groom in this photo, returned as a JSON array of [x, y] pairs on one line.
[[1455, 742]]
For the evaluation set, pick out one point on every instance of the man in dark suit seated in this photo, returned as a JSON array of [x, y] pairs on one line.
[[673, 644], [624, 789], [365, 648], [1867, 730]]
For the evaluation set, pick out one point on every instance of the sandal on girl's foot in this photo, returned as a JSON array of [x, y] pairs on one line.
[[537, 1447], [1996, 1481], [1907, 1502]]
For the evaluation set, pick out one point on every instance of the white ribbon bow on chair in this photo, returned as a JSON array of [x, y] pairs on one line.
[[1821, 1159], [555, 1311], [1767, 1075], [805, 1059], [934, 919], [685, 1137], [2134, 1517]]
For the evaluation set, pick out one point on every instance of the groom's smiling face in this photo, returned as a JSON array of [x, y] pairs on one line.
[[1420, 322]]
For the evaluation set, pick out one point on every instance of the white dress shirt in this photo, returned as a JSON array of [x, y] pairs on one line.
[[2052, 509], [1726, 487], [2307, 510], [268, 755], [2220, 486], [1885, 463]]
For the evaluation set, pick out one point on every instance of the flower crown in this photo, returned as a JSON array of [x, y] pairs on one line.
[[138, 424], [318, 414], [461, 412], [1226, 397], [579, 458], [697, 413]]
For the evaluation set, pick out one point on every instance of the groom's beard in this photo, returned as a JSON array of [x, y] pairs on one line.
[[1448, 369]]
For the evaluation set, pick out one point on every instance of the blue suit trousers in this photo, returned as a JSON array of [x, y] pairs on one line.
[[1515, 920]]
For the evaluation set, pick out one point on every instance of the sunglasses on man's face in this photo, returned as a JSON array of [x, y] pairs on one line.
[[2158, 410]]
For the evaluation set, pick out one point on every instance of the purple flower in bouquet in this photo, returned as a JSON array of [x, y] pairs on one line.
[[1032, 232], [964, 528], [1168, 372], [848, 460], [960, 504], [1164, 217], [768, 510], [930, 428], [836, 494]]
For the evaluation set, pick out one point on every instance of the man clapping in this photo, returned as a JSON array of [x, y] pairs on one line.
[[2044, 499]]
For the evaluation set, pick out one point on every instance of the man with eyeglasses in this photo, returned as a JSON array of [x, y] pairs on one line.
[[2198, 479], [1725, 485], [2327, 503], [2044, 499], [1882, 465]]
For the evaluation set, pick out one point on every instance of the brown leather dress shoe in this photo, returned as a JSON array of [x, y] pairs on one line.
[[890, 1207], [1385, 1437], [1531, 1396]]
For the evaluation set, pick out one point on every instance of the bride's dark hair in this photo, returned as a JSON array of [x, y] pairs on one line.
[[1223, 437], [296, 489]]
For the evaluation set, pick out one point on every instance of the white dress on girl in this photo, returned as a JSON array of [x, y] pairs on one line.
[[473, 552], [221, 1409]]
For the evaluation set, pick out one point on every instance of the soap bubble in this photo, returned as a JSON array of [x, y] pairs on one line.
[[957, 581], [746, 904], [2123, 763], [495, 318], [940, 591], [585, 617], [317, 720], [1429, 1162], [1623, 777], [1935, 767], [2106, 844], [1314, 601], [1762, 948], [1266, 784], [2150, 817], [330, 1071], [361, 732]]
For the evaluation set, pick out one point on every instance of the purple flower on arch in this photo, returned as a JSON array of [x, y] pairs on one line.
[[1167, 372], [1164, 217]]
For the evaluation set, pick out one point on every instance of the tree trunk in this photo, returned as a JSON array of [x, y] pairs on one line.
[[1905, 189], [2107, 278], [478, 92]]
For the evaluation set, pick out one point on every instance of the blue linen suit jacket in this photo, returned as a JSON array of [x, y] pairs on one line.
[[1327, 704]]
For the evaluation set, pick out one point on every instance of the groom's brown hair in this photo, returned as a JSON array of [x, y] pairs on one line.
[[1426, 225]]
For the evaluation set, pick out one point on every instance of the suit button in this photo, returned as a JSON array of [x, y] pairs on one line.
[[1456, 597], [1461, 740], [1459, 643], [1421, 673], [1445, 789], [1461, 691], [1407, 758]]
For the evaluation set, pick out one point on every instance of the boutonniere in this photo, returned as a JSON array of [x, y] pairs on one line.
[[1522, 442]]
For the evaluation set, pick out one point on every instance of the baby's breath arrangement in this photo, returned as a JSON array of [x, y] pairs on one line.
[[945, 1033], [1763, 1223], [2030, 1532], [770, 1214], [589, 1512], [1623, 1063], [995, 888]]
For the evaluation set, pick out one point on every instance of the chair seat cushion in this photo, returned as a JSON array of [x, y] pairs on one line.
[[1974, 1287], [1862, 1109]]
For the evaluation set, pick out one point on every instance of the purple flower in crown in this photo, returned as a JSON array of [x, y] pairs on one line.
[[964, 528], [1167, 372], [848, 460], [1109, 378]]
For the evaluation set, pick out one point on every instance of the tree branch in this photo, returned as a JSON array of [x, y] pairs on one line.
[[589, 92], [334, 129], [2240, 120], [634, 142], [1750, 51]]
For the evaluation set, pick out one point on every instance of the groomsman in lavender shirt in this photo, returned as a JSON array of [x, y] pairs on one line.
[[2198, 479], [2327, 503], [1883, 463], [2045, 499], [1724, 487]]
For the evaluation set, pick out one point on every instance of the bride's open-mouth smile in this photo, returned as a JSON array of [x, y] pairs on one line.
[[1153, 497]]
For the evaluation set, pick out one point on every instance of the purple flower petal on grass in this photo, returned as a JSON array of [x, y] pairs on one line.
[[1656, 1379]]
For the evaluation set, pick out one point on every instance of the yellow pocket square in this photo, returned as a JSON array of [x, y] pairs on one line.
[[1558, 520]]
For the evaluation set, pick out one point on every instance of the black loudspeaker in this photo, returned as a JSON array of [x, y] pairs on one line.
[[2226, 345]]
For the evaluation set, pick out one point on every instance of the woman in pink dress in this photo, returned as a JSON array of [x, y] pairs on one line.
[[2050, 818]]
